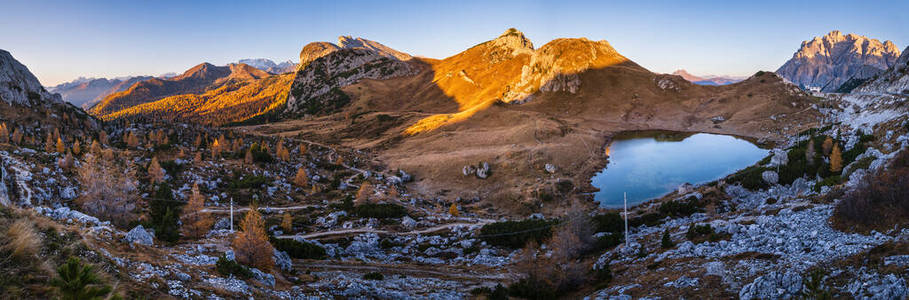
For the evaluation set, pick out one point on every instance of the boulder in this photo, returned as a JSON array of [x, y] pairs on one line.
[[774, 285], [770, 177], [468, 170], [282, 260], [404, 176], [780, 157], [550, 168], [408, 222], [262, 277], [718, 119], [483, 170], [139, 235], [222, 224], [685, 188]]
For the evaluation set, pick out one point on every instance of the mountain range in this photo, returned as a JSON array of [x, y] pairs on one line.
[[707, 80], [829, 62], [86, 92], [269, 66]]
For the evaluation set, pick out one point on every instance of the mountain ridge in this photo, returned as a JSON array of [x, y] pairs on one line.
[[826, 63]]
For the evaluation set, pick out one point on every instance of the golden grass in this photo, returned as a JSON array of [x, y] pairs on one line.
[[22, 241]]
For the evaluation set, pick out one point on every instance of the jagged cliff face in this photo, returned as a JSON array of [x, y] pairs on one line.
[[830, 61], [19, 86], [895, 81], [325, 68]]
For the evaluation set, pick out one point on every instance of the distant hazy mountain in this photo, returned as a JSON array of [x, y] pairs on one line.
[[198, 79], [707, 80], [270, 66], [86, 92], [827, 63]]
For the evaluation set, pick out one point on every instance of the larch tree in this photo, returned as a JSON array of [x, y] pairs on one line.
[[108, 192], [364, 193], [827, 146], [103, 138], [198, 157], [49, 145], [95, 148], [301, 179], [66, 163], [251, 245], [453, 210], [60, 146], [248, 158], [302, 150], [155, 172], [287, 223], [77, 148], [17, 136], [196, 223], [4, 133], [836, 159]]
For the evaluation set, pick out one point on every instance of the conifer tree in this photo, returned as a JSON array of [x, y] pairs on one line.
[[248, 158], [302, 150], [287, 223], [195, 222], [836, 159], [827, 146], [453, 210], [17, 136], [155, 172], [364, 192], [95, 148], [809, 152], [60, 146], [251, 245], [4, 133], [77, 147], [76, 281], [301, 179], [102, 137], [49, 145]]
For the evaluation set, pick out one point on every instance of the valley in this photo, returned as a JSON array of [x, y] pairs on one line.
[[367, 172]]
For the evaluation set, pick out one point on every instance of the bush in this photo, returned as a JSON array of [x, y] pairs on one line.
[[532, 288], [881, 200], [297, 249], [515, 234], [829, 181], [228, 267], [696, 231], [373, 276], [750, 178], [666, 241], [380, 211], [497, 293], [609, 222], [260, 154], [680, 208]]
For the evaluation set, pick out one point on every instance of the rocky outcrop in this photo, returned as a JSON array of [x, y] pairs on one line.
[[895, 81], [19, 86], [325, 68], [555, 67], [827, 62], [776, 285]]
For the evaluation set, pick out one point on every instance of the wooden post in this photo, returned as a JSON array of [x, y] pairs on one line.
[[625, 195], [231, 214]]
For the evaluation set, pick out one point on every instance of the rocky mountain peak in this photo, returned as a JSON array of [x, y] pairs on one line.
[[19, 86], [515, 40], [827, 62]]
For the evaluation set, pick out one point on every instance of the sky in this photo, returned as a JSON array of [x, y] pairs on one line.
[[62, 40]]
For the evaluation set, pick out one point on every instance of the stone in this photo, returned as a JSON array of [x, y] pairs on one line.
[[222, 224], [550, 168], [779, 158], [262, 277], [770, 177], [483, 170], [408, 222], [139, 235], [404, 176], [774, 285], [718, 119], [468, 170], [685, 188], [283, 261]]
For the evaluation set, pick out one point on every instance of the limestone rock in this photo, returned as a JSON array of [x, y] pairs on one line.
[[775, 285], [826, 63], [550, 168], [483, 170], [283, 261], [770, 177], [139, 235], [19, 86]]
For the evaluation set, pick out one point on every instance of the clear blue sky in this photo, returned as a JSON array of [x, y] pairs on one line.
[[61, 40]]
